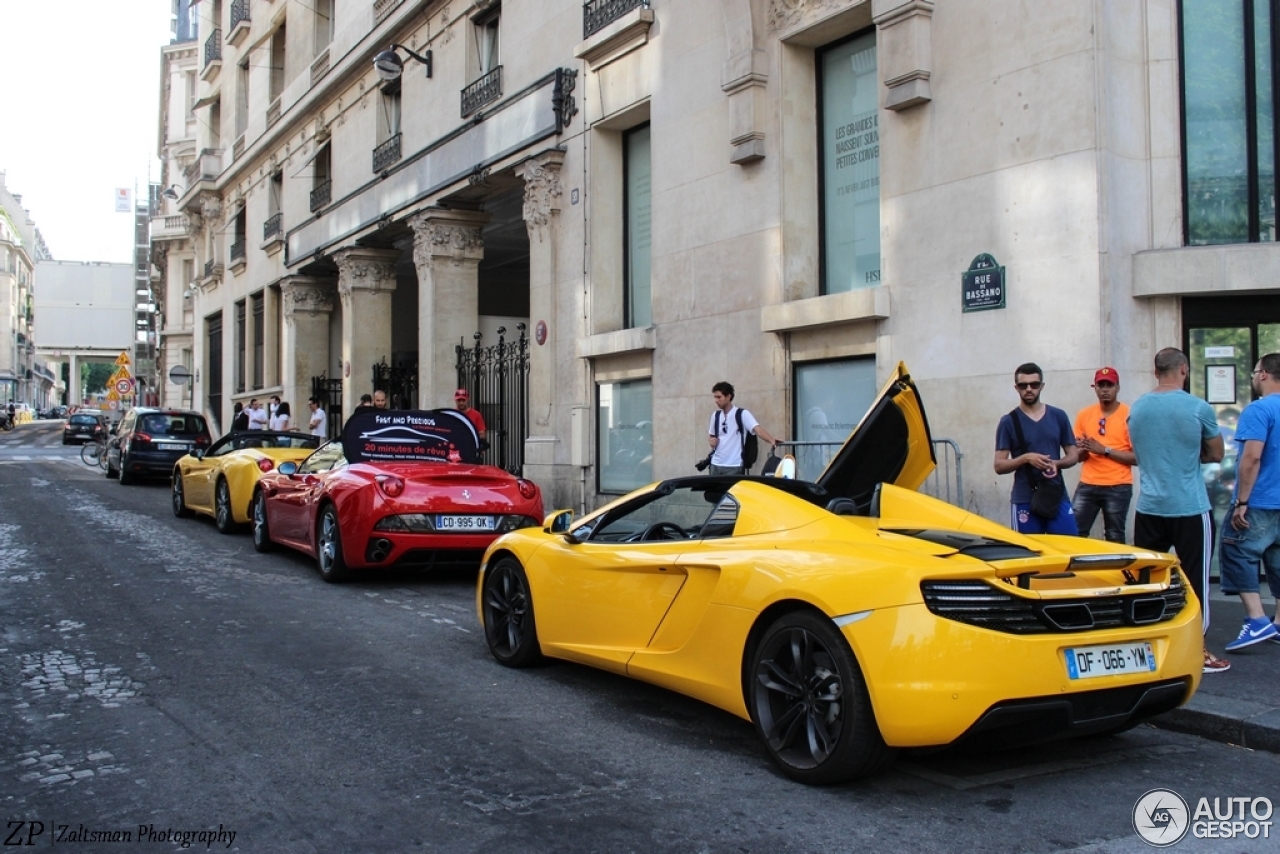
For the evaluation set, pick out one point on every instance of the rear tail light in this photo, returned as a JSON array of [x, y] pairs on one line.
[[390, 485], [265, 465], [203, 440], [527, 489], [139, 439]]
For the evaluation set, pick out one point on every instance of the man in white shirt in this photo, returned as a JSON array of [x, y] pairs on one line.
[[257, 416], [723, 435], [319, 421]]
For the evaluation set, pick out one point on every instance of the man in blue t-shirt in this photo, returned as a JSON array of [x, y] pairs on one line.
[[1046, 445], [1252, 533], [1172, 433]]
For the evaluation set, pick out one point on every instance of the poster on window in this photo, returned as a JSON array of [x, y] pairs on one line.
[[851, 166], [1220, 383]]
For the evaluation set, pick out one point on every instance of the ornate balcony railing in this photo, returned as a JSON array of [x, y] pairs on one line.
[[386, 154], [273, 226], [320, 66], [273, 112], [321, 195], [237, 148], [238, 250], [213, 47], [488, 88], [239, 12], [598, 14], [383, 8]]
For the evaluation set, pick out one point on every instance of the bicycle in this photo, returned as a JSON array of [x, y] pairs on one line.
[[94, 453]]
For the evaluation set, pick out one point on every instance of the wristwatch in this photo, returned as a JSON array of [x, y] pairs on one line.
[[1238, 503], [1106, 452]]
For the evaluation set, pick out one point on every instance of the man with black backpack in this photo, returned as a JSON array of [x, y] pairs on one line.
[[1035, 442], [732, 434]]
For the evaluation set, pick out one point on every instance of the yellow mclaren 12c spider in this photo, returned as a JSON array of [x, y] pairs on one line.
[[854, 615], [221, 481]]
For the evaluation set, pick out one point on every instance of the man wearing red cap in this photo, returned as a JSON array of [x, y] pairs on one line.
[[462, 400], [1106, 460]]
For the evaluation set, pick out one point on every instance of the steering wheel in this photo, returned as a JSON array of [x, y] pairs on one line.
[[663, 531]]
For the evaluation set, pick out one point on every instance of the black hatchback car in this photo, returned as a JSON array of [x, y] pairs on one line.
[[84, 427], [149, 441]]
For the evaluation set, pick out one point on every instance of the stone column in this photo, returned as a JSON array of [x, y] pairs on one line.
[[366, 279], [542, 194], [447, 250], [307, 304], [271, 350]]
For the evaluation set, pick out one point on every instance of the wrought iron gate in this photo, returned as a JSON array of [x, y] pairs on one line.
[[329, 393], [497, 378], [399, 381]]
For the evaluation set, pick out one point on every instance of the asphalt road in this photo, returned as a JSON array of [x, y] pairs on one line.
[[156, 673]]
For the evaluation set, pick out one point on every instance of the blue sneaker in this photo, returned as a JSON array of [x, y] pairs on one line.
[[1253, 631]]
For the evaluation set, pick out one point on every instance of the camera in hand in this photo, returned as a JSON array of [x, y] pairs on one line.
[[701, 465]]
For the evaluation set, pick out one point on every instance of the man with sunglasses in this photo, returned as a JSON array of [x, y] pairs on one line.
[[1106, 460], [1036, 448], [1173, 432], [727, 444]]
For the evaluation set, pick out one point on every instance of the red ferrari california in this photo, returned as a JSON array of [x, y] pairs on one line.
[[402, 488]]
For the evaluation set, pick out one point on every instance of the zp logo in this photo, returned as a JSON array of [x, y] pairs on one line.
[[1161, 818]]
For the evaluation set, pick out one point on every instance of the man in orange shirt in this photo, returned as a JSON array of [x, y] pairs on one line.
[[1106, 460]]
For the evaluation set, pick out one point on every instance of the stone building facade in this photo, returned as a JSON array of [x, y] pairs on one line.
[[23, 377], [786, 194]]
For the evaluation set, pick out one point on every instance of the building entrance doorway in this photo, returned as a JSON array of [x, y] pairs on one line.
[[1223, 338]]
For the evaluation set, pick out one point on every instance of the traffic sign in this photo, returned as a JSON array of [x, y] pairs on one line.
[[113, 404], [122, 359], [124, 385], [179, 374], [112, 394]]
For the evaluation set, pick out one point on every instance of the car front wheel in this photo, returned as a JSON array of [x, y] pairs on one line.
[[809, 702], [179, 498], [261, 533], [509, 627], [329, 547], [222, 517]]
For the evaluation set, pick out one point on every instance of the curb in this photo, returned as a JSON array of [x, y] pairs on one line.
[[1233, 721]]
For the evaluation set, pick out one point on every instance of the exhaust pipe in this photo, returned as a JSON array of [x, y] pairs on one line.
[[379, 549]]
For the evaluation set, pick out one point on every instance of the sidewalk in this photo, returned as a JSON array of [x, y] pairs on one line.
[[1241, 706]]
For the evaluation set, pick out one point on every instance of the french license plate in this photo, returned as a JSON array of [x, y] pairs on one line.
[[171, 446], [1089, 662], [464, 523]]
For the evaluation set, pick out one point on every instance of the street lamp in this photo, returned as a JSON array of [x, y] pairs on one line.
[[390, 66], [171, 193]]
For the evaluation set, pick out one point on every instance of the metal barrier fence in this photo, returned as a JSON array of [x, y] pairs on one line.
[[945, 483]]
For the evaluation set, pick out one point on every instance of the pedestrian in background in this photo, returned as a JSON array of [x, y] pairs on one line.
[[462, 401], [239, 418], [1252, 531], [1106, 460], [726, 440], [366, 403], [280, 418], [379, 399], [1035, 442], [319, 423], [257, 415], [1172, 434]]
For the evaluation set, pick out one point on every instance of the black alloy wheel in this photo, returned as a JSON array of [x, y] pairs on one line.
[[125, 477], [261, 533], [180, 508], [509, 626], [809, 702], [333, 568], [222, 517]]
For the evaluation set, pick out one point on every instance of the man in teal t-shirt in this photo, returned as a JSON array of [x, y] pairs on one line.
[[1172, 433]]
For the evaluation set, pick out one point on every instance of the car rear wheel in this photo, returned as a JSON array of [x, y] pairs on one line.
[[809, 702], [179, 498], [329, 547], [125, 477], [112, 471], [508, 615], [261, 533], [222, 517]]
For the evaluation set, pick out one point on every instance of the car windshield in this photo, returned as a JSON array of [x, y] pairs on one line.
[[84, 419], [166, 424], [258, 439]]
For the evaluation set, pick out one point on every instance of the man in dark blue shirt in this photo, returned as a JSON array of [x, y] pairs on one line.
[[1036, 448]]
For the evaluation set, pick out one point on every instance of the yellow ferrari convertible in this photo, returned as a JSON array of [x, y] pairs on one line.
[[220, 482], [853, 615]]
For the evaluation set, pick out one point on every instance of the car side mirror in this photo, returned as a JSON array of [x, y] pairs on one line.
[[288, 468], [558, 522]]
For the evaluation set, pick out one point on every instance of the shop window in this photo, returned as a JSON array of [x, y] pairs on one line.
[[1229, 121], [638, 227], [624, 423], [849, 142], [830, 400]]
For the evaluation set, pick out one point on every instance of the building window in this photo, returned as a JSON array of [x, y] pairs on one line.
[[215, 124], [1229, 121], [278, 41], [485, 32], [321, 178], [213, 369], [849, 140], [624, 423], [637, 195], [259, 336], [324, 23], [239, 346], [389, 111], [242, 98], [830, 399]]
